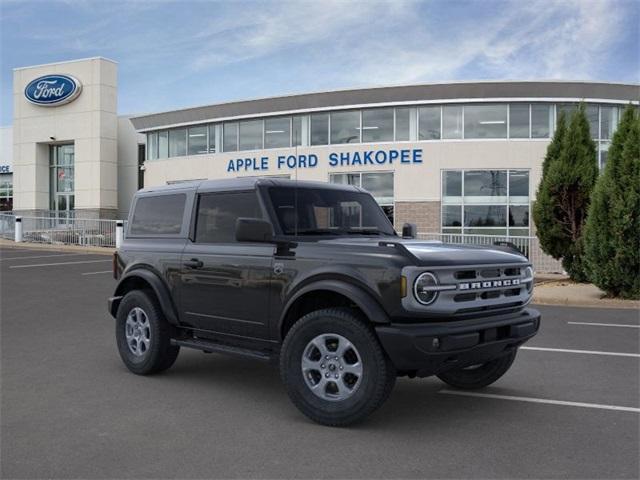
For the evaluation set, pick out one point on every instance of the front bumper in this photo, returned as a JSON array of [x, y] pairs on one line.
[[430, 348]]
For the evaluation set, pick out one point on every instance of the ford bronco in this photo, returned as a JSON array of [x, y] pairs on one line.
[[314, 277]]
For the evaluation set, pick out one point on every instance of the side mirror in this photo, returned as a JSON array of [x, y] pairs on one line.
[[409, 230], [253, 230]]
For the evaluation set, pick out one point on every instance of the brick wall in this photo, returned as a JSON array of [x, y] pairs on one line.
[[426, 215]]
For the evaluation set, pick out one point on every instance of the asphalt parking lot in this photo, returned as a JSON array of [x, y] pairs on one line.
[[569, 408]]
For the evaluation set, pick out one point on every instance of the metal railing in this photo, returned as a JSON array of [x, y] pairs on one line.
[[61, 231], [530, 246], [7, 226]]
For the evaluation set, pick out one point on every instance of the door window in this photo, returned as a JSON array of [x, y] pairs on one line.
[[218, 212]]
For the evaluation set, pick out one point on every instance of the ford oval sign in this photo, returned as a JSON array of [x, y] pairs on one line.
[[53, 90]]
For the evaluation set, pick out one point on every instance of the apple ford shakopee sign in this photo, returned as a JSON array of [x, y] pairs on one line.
[[53, 90]]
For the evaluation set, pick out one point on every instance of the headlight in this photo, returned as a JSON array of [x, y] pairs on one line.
[[425, 288], [529, 275]]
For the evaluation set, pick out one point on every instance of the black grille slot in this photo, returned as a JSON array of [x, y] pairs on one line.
[[465, 274], [490, 273], [511, 272], [489, 295], [512, 292], [464, 297]]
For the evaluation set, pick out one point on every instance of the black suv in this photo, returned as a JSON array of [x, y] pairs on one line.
[[313, 275]]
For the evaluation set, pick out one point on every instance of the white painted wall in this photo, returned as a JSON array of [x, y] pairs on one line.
[[6, 146], [413, 182]]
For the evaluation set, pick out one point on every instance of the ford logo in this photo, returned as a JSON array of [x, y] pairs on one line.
[[53, 90]]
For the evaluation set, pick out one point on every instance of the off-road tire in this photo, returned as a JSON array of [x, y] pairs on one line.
[[486, 374], [378, 376], [161, 354]]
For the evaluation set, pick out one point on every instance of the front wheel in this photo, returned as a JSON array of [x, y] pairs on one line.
[[481, 375], [334, 368]]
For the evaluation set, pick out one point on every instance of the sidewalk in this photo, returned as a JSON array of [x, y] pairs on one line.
[[566, 292], [66, 248]]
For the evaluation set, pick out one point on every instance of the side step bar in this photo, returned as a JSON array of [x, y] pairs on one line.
[[209, 347]]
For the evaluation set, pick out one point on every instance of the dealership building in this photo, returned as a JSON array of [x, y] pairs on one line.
[[460, 157]]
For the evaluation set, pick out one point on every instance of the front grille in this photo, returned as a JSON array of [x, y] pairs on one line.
[[476, 289]]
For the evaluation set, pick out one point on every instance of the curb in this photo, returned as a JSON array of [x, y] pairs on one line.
[[66, 248]]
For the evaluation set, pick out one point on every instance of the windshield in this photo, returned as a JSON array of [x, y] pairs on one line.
[[318, 211]]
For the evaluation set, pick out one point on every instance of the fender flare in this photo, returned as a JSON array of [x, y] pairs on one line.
[[157, 285], [364, 300]]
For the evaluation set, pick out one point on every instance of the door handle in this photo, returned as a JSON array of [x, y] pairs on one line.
[[194, 263]]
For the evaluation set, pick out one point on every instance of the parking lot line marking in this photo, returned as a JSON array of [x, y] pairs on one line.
[[95, 273], [42, 256], [604, 324], [541, 400], [61, 263], [588, 352]]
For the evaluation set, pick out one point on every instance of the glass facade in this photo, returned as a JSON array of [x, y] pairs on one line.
[[62, 179], [6, 192], [386, 124], [377, 125], [486, 202]]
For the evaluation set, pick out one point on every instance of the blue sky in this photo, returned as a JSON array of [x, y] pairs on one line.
[[179, 54]]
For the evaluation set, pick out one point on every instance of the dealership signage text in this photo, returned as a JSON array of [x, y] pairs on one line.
[[364, 158]]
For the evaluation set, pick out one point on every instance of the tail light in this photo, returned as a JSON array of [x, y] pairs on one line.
[[114, 265]]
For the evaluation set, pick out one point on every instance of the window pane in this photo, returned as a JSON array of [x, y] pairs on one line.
[[452, 184], [485, 121], [197, 140], [320, 129], [346, 178], [217, 215], [345, 127], [277, 132], [604, 152], [608, 122], [592, 117], [452, 121], [296, 136], [163, 144], [380, 185], [377, 125], [452, 216], [403, 124], [519, 120], [541, 120], [159, 215], [485, 185], [429, 123], [485, 216], [251, 135], [230, 137], [568, 109], [519, 186], [178, 142], [152, 146], [212, 138], [519, 216]]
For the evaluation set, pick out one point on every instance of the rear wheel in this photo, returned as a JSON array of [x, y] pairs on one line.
[[143, 334], [481, 375], [334, 368]]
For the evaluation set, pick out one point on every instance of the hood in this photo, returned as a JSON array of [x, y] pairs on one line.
[[435, 253]]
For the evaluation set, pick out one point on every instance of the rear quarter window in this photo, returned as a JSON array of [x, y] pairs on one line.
[[158, 215]]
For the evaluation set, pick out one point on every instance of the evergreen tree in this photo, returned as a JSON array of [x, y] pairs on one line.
[[563, 198], [612, 233], [548, 231]]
